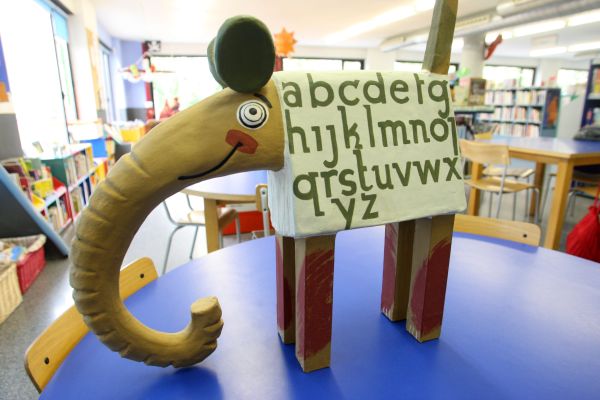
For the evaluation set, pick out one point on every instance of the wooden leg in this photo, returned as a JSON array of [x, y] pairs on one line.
[[212, 225], [314, 300], [559, 203], [286, 287], [397, 262], [431, 256], [538, 181], [475, 195]]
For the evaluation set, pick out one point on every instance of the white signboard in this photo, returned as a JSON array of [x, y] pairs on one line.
[[364, 148]]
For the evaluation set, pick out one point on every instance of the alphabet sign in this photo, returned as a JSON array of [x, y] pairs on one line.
[[364, 149]]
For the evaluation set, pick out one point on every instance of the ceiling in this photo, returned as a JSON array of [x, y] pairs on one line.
[[197, 21]]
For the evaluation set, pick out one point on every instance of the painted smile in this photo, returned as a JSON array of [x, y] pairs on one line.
[[240, 141]]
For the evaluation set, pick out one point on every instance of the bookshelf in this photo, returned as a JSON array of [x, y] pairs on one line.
[[592, 97], [523, 112], [76, 173]]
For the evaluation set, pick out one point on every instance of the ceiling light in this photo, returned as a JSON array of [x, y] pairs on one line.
[[541, 27], [388, 17], [550, 51], [584, 47], [424, 5], [585, 18]]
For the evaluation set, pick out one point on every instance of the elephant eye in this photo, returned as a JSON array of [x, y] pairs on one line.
[[252, 114]]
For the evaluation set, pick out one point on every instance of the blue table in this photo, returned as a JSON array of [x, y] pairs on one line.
[[520, 323], [231, 189]]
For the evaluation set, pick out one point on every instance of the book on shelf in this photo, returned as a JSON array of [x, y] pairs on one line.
[[77, 200]]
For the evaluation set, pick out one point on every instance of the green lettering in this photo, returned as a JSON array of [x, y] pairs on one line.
[[445, 129], [388, 180], [294, 92], [403, 176], [429, 169], [441, 96], [311, 194], [415, 123], [327, 175], [346, 213], [399, 86], [350, 184], [369, 214], [343, 96], [378, 85], [313, 86], [290, 129]]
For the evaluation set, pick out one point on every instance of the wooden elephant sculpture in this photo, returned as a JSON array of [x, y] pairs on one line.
[[254, 124]]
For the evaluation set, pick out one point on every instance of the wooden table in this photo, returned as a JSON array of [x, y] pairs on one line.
[[519, 322], [232, 189], [565, 153]]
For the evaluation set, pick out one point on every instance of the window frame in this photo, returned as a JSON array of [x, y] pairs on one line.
[[456, 65], [522, 67], [342, 59]]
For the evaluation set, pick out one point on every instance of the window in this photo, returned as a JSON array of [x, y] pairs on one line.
[[508, 77], [572, 81], [186, 79], [416, 66], [61, 42], [321, 64], [33, 71], [106, 86]]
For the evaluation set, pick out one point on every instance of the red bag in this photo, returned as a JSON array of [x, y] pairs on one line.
[[584, 240]]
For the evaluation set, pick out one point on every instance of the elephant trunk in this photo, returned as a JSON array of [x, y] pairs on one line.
[[103, 234]]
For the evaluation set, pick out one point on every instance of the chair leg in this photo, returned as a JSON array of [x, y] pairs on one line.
[[514, 208], [169, 248], [573, 205], [499, 205], [238, 229], [545, 194], [221, 240], [536, 215], [193, 243], [570, 201], [491, 194]]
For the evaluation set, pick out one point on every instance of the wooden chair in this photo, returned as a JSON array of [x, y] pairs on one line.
[[494, 155], [196, 218], [48, 351], [262, 205], [516, 231]]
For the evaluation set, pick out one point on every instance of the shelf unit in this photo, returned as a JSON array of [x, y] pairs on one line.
[[529, 112], [75, 173], [592, 96]]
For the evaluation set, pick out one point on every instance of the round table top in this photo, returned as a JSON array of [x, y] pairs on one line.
[[240, 186], [519, 322]]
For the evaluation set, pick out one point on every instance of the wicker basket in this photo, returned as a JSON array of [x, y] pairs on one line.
[[33, 262], [10, 294]]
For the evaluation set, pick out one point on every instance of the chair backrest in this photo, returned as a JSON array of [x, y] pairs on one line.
[[51, 347], [516, 231], [483, 136], [485, 153], [262, 204]]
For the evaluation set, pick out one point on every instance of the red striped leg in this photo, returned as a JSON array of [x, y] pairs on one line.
[[286, 288], [431, 256], [397, 262], [314, 300]]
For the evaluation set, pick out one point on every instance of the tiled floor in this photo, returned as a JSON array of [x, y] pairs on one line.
[[50, 295]]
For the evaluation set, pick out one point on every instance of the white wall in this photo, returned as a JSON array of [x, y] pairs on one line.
[[84, 17]]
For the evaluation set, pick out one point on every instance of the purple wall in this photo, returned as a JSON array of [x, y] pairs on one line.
[[3, 74], [135, 93]]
